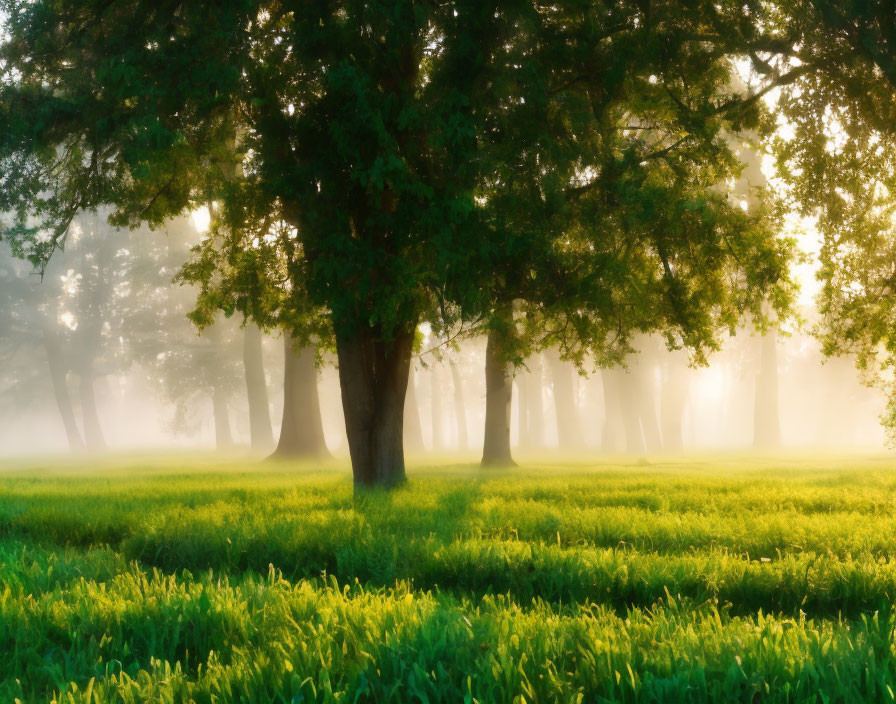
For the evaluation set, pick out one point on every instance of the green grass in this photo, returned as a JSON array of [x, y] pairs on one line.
[[707, 580]]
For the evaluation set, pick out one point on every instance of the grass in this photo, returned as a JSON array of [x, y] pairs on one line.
[[707, 580]]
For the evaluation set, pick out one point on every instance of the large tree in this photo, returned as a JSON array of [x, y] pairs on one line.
[[436, 161]]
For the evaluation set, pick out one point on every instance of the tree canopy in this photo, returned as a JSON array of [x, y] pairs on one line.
[[408, 161]]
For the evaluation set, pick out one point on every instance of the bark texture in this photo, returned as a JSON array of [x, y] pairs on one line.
[[373, 377], [498, 398]]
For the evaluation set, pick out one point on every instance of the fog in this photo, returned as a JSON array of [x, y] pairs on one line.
[[98, 355]]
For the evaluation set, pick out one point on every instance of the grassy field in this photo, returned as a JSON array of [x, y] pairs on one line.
[[707, 580]]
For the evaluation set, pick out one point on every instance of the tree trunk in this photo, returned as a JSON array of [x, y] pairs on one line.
[[373, 377], [498, 397], [673, 402], [766, 422], [435, 400], [413, 431], [647, 411], [93, 432], [260, 432], [460, 408], [613, 422], [302, 429], [629, 404], [223, 435], [60, 389], [535, 403], [521, 382], [569, 431]]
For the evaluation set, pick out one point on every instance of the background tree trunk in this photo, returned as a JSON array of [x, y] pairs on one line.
[[460, 408], [613, 427], [629, 405], [673, 401], [535, 402], [569, 430], [302, 429], [260, 432], [60, 389], [373, 377], [766, 420], [435, 400], [93, 432], [413, 431], [223, 434], [522, 410], [498, 397]]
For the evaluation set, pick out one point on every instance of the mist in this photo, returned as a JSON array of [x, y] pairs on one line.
[[99, 355]]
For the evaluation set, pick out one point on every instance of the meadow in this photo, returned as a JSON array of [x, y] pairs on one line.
[[707, 579]]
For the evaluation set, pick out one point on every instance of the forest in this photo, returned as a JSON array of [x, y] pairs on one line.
[[447, 350]]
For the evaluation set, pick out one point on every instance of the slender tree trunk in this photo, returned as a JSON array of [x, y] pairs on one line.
[[569, 431], [373, 376], [673, 402], [260, 432], [435, 400], [766, 422], [223, 434], [535, 402], [460, 408], [614, 426], [498, 397], [521, 381], [648, 413], [629, 404], [302, 429], [60, 389], [413, 431], [93, 432]]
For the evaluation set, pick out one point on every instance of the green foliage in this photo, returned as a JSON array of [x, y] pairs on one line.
[[839, 162], [677, 582], [428, 161]]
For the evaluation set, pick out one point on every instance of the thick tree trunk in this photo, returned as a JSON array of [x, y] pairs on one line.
[[60, 389], [302, 429], [460, 408], [260, 432], [569, 431], [413, 431], [373, 376], [435, 400], [93, 432], [498, 397], [766, 421], [223, 434]]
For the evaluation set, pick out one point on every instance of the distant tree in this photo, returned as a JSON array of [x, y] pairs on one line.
[[190, 370], [244, 266]]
